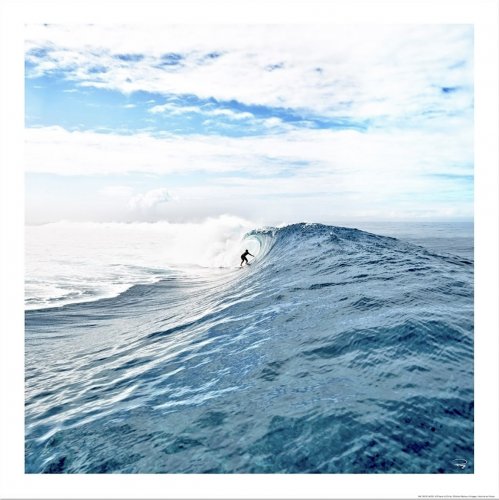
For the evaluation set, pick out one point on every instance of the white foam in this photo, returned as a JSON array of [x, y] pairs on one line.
[[75, 262]]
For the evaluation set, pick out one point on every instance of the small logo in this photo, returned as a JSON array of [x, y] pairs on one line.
[[460, 462]]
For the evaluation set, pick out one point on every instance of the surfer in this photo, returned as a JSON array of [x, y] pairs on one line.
[[244, 259]]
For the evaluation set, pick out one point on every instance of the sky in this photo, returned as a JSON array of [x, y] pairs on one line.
[[272, 123]]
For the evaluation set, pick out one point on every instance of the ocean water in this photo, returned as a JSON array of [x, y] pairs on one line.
[[337, 351]]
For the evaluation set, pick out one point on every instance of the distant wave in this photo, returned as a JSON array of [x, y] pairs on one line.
[[336, 351]]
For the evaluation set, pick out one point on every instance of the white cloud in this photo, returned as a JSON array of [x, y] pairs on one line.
[[150, 200], [357, 71], [174, 109], [394, 153], [323, 171], [234, 115], [411, 85], [179, 109], [273, 122]]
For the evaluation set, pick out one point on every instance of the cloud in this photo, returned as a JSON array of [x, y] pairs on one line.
[[322, 171], [56, 150], [150, 200], [179, 109], [368, 72], [380, 153], [219, 117], [300, 88], [173, 109], [234, 115]]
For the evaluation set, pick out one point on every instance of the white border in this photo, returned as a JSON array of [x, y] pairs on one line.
[[15, 484]]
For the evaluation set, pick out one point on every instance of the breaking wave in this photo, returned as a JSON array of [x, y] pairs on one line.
[[336, 351]]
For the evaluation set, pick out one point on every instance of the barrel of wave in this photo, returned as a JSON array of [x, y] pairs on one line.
[[228, 252], [257, 243]]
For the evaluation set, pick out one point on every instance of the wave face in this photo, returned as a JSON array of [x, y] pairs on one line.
[[337, 351]]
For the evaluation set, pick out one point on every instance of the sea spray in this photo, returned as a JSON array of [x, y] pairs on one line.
[[68, 262]]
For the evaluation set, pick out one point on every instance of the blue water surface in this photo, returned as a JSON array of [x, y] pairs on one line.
[[336, 351]]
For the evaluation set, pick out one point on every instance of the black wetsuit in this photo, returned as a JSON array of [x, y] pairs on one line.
[[243, 257]]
